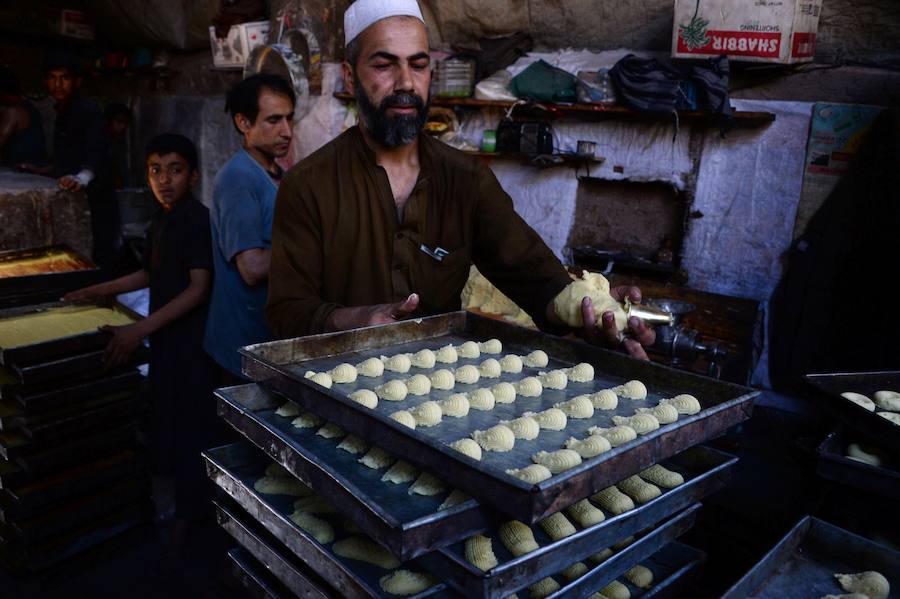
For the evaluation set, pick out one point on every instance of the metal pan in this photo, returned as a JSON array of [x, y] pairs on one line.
[[386, 512], [804, 562], [253, 576], [62, 346], [60, 370], [280, 365], [673, 567], [836, 466], [44, 398], [705, 471], [285, 566], [82, 273], [101, 412], [880, 430]]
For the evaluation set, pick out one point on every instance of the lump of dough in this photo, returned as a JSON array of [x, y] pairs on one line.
[[370, 367], [604, 400], [616, 435], [480, 553], [870, 583], [631, 390], [640, 576], [481, 399], [276, 470], [399, 363], [847, 596], [577, 407], [590, 446], [320, 529], [529, 387], [536, 359], [424, 358], [555, 379], [467, 374], [614, 590], [491, 346], [662, 477], [504, 392], [517, 538], [353, 444], [401, 472], [557, 526], [888, 400], [288, 409], [613, 501], [552, 419], [427, 413], [490, 369], [511, 363], [404, 418], [365, 397], [664, 413], [639, 489], [418, 384], [601, 556], [684, 403], [641, 423], [468, 349], [575, 571], [446, 355], [406, 582], [323, 379], [585, 513], [868, 455], [595, 286], [392, 390], [890, 417], [497, 438], [343, 373], [331, 431], [376, 458], [364, 550], [306, 420], [456, 497], [523, 427], [428, 485], [442, 379], [580, 373], [557, 461], [543, 588], [282, 485], [457, 405], [533, 473], [467, 447], [314, 504], [859, 399]]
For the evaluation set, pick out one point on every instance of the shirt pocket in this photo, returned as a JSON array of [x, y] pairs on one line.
[[445, 279]]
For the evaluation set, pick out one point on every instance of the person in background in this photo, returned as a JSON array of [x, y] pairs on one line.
[[243, 202], [178, 269], [117, 118], [21, 130]]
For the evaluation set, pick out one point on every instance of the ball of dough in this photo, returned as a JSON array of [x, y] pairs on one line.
[[616, 435], [467, 447], [615, 590], [404, 418], [376, 458], [392, 390], [555, 379], [399, 363], [639, 489], [479, 553], [331, 431], [557, 526], [870, 583], [585, 513], [577, 407], [868, 455], [457, 405], [511, 364], [523, 427], [353, 444], [604, 400], [320, 378], [684, 403], [306, 420], [481, 399], [533, 473], [590, 446], [401, 472], [664, 413], [447, 355], [469, 350], [529, 387], [888, 400], [370, 367], [580, 373], [517, 537], [575, 571], [491, 346], [427, 413], [318, 528], [467, 375], [641, 423], [662, 477], [497, 438], [418, 384], [640, 576], [592, 285], [490, 369], [613, 501], [442, 379], [364, 550], [456, 497], [891, 417], [536, 359], [557, 461], [365, 397], [343, 373], [288, 409], [552, 419], [631, 390], [428, 485], [859, 399], [406, 582], [543, 588], [424, 358], [504, 392]]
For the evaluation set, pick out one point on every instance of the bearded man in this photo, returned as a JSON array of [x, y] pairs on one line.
[[383, 222]]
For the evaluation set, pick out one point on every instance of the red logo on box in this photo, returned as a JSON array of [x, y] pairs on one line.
[[804, 45], [737, 43]]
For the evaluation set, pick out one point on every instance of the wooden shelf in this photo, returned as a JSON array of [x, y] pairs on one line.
[[544, 160], [593, 111]]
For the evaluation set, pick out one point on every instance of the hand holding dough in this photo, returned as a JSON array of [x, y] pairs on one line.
[[595, 286]]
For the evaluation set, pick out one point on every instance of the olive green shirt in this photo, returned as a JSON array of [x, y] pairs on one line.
[[337, 239]]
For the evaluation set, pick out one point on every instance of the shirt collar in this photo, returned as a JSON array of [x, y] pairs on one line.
[[368, 154]]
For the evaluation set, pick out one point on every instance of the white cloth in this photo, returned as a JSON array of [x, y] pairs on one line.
[[363, 13]]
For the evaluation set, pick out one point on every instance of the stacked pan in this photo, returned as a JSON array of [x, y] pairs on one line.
[[334, 498]]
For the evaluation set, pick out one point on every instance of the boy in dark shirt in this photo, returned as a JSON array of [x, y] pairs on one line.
[[178, 270]]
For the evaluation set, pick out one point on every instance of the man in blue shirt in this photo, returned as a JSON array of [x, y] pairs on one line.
[[243, 201]]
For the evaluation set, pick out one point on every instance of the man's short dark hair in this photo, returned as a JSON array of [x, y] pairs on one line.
[[243, 98], [173, 143], [62, 59], [114, 109]]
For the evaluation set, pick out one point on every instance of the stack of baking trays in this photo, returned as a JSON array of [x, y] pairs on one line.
[[350, 489], [70, 472], [38, 275]]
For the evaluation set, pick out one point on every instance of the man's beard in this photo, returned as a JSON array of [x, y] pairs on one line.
[[392, 132]]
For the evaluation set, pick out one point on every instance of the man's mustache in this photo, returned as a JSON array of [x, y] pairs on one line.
[[402, 101]]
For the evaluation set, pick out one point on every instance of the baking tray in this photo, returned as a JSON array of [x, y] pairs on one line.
[[62, 346], [804, 562], [47, 397], [280, 365], [384, 511], [282, 563], [705, 471], [253, 576], [83, 272], [834, 465], [882, 431], [60, 370], [90, 415], [673, 567]]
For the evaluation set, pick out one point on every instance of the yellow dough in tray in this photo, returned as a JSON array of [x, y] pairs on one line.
[[56, 323]]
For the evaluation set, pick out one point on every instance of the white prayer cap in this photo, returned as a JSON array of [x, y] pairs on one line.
[[363, 13]]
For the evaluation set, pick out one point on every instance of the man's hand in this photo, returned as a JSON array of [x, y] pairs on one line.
[[70, 183], [343, 319], [123, 343], [608, 334]]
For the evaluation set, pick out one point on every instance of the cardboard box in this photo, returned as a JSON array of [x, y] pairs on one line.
[[233, 51], [772, 31]]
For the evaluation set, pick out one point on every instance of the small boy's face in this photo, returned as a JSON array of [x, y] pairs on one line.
[[170, 177]]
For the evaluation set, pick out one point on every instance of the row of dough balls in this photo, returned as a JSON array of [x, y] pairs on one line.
[[886, 403]]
